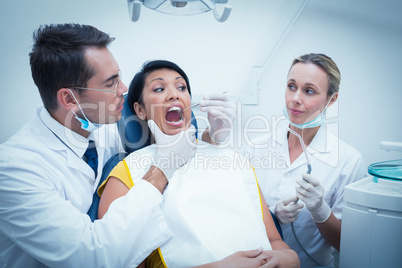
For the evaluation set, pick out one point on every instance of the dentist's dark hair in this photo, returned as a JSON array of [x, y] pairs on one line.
[[58, 58], [137, 84], [327, 65]]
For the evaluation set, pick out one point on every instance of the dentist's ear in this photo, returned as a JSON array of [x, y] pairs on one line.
[[65, 99], [140, 111]]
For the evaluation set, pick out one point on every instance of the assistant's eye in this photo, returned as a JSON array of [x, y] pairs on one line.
[[291, 87], [309, 91]]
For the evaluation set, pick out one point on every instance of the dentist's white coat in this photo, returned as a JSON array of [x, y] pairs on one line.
[[45, 191]]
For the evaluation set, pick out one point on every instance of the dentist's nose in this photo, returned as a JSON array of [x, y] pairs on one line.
[[121, 89]]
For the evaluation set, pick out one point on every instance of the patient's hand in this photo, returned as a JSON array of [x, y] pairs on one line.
[[280, 258], [243, 259], [240, 259]]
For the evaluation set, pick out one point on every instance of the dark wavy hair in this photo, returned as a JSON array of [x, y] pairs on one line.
[[58, 58], [137, 84]]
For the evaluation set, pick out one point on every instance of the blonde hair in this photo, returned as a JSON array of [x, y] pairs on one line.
[[326, 64]]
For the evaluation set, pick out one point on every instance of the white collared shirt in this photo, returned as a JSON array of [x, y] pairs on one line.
[[334, 163], [46, 190]]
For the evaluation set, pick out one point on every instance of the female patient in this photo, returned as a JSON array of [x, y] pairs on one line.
[[212, 204]]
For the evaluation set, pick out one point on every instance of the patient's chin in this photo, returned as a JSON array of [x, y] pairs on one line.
[[175, 129]]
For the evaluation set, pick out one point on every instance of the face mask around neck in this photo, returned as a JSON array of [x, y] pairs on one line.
[[316, 122], [85, 123]]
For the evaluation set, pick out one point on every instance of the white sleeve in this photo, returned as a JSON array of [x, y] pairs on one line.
[[49, 228]]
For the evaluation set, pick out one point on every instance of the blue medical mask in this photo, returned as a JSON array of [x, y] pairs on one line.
[[85, 123], [316, 122]]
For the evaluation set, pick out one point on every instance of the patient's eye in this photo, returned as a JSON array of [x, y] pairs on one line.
[[158, 89], [182, 88]]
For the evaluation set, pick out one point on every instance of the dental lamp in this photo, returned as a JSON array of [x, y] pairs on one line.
[[179, 8]]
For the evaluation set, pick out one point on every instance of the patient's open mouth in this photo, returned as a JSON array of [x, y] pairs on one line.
[[174, 115]]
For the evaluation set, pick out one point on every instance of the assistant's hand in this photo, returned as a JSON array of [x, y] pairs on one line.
[[173, 151], [312, 194], [221, 115], [286, 211]]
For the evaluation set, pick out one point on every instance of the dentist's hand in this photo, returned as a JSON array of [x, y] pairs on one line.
[[173, 151], [286, 211], [221, 115], [312, 194]]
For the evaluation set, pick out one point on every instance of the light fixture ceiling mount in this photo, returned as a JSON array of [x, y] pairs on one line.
[[179, 8]]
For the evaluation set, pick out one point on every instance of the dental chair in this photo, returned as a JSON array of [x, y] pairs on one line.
[[134, 136]]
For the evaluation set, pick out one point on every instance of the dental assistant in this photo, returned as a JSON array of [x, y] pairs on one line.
[[50, 169], [312, 86]]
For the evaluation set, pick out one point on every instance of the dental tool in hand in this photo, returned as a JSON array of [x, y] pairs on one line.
[[304, 150], [197, 104], [308, 172], [192, 106]]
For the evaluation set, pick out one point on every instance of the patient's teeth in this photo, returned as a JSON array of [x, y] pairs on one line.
[[177, 109]]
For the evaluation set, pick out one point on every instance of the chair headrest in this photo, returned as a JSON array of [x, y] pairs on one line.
[[134, 132]]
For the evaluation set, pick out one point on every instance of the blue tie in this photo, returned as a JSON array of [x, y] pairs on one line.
[[91, 157]]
